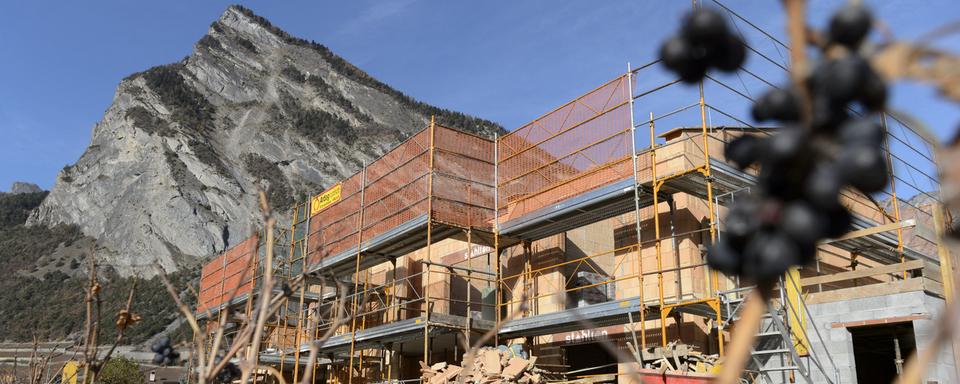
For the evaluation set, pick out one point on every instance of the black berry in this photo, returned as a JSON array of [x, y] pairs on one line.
[[731, 55], [861, 131], [724, 259], [823, 186], [777, 104], [850, 25], [704, 25], [864, 168], [840, 80], [873, 92], [769, 254], [744, 150]]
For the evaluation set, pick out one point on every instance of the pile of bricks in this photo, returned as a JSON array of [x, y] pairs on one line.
[[485, 366]]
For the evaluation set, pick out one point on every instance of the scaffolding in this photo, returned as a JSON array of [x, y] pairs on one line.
[[570, 222]]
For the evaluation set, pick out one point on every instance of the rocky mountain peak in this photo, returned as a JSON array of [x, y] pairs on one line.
[[20, 187], [173, 168]]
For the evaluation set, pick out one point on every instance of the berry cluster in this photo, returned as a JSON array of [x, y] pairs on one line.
[[704, 42], [804, 166], [164, 354]]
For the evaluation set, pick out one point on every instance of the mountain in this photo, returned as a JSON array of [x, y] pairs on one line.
[[20, 187], [173, 168]]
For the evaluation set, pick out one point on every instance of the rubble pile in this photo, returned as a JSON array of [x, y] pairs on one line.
[[487, 365]]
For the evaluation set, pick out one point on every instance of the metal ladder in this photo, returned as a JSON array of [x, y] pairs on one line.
[[774, 342]]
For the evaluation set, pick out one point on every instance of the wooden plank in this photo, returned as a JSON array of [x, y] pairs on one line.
[[933, 286], [872, 230], [932, 271], [861, 273], [893, 287]]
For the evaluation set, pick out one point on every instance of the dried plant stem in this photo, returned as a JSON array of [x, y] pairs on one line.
[[266, 289], [738, 352], [185, 310], [121, 330], [92, 319], [797, 31], [315, 344]]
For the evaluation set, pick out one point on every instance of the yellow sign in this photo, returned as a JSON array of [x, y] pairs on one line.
[[798, 321], [325, 199], [69, 374]]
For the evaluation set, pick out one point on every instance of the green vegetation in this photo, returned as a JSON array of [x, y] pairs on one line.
[[14, 209], [120, 370], [188, 107], [279, 193], [325, 90], [209, 42], [316, 125], [178, 169], [67, 170], [148, 122], [52, 307], [247, 44], [444, 116], [207, 154]]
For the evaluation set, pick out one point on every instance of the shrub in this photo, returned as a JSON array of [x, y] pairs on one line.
[[120, 370], [279, 193], [14, 209]]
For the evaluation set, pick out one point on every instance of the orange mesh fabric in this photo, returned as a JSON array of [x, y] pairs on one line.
[[396, 190], [463, 182], [582, 145], [224, 273], [334, 229]]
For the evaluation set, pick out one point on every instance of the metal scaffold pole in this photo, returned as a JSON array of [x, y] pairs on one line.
[[711, 224], [656, 235], [303, 290], [891, 174], [356, 274], [426, 288], [636, 207], [496, 230]]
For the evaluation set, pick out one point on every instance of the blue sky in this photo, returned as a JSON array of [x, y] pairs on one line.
[[508, 61]]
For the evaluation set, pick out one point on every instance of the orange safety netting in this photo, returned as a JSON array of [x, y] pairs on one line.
[[580, 146], [463, 182], [335, 228], [396, 189], [226, 273]]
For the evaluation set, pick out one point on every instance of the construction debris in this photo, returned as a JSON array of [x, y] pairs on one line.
[[675, 358], [487, 365]]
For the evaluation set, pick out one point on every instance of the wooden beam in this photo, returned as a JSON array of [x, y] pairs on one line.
[[881, 289], [873, 230], [861, 273]]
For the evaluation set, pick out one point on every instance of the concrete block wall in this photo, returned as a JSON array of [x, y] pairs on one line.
[[839, 341]]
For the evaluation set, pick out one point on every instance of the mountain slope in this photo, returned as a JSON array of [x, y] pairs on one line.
[[173, 167]]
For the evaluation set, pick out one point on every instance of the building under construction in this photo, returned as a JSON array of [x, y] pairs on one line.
[[579, 238]]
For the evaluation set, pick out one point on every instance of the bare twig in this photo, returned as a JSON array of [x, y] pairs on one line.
[[315, 345], [796, 29], [125, 318], [744, 334], [266, 290], [192, 320]]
